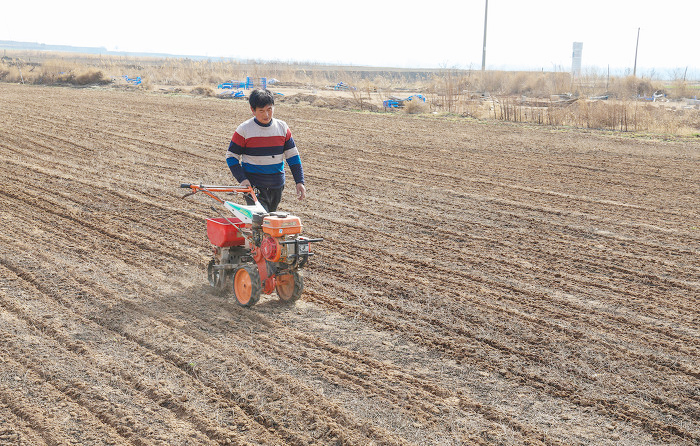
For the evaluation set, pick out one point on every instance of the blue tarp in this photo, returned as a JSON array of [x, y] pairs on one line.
[[418, 96], [246, 85], [395, 102], [132, 80], [343, 86], [233, 94]]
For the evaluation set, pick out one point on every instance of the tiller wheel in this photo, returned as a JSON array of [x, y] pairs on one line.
[[289, 286], [246, 285]]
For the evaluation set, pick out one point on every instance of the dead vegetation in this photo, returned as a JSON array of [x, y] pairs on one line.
[[593, 100], [203, 91]]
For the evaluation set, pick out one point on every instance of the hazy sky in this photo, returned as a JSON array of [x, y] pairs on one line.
[[535, 34]]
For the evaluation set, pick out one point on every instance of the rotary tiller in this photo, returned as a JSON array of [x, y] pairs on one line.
[[254, 251]]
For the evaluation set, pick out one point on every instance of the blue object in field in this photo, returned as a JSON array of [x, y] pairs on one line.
[[391, 104], [248, 83], [132, 80], [343, 86], [419, 96], [234, 94], [231, 85]]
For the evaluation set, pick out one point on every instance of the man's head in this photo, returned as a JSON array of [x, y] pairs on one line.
[[262, 104]]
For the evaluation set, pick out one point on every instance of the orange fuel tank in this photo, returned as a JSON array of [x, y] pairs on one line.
[[278, 225]]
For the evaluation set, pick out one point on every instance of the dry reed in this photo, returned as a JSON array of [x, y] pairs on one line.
[[535, 97]]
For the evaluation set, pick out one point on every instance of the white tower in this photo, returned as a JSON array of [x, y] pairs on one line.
[[576, 59]]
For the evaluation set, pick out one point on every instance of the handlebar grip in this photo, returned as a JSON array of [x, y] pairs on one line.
[[185, 185]]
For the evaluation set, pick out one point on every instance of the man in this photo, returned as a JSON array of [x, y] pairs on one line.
[[258, 150]]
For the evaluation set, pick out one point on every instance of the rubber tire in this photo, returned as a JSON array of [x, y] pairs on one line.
[[289, 290], [246, 285]]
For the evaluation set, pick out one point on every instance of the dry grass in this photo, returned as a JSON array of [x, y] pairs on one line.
[[511, 96], [416, 106], [51, 72], [616, 115], [202, 90]]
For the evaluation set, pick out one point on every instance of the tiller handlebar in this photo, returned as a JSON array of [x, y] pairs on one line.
[[210, 190]]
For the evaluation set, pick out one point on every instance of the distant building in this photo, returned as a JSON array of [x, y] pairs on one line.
[[576, 59]]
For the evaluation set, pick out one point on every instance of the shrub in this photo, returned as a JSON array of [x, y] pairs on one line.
[[635, 87], [202, 91], [89, 77], [415, 106]]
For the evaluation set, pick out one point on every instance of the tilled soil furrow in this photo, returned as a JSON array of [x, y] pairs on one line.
[[123, 243], [95, 418], [557, 321], [193, 315], [121, 379], [452, 278], [128, 115], [114, 210], [73, 164], [520, 194], [533, 348], [105, 135], [176, 402], [433, 250], [518, 241], [436, 201], [501, 416], [409, 394], [35, 416], [338, 425], [478, 268], [558, 324], [478, 283], [342, 368], [16, 430], [277, 384], [515, 219], [67, 397], [611, 407], [596, 267], [26, 423]]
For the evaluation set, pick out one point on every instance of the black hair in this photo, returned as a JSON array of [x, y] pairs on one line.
[[260, 98]]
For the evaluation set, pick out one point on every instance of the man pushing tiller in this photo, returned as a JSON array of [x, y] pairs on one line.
[[258, 150]]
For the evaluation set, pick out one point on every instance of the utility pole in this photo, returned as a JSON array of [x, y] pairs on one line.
[[483, 55], [634, 72]]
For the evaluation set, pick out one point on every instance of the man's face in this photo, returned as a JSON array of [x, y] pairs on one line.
[[263, 114]]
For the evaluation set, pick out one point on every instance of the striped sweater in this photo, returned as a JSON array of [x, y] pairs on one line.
[[257, 153]]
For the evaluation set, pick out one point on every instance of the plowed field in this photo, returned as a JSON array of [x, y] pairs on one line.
[[479, 283]]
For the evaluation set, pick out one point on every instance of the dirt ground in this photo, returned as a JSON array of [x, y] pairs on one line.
[[478, 283]]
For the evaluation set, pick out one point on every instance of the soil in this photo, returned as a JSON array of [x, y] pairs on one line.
[[478, 282]]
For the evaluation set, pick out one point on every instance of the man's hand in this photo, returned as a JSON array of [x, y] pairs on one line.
[[245, 183], [301, 191]]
